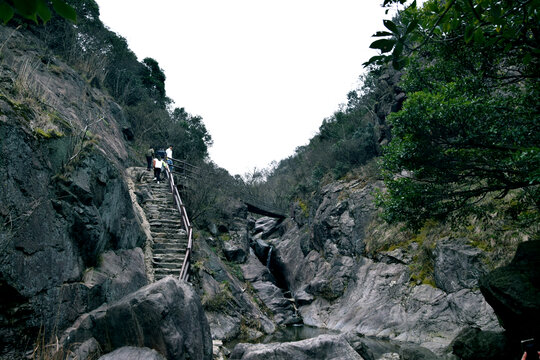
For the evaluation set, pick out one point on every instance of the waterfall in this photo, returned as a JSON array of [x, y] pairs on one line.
[[268, 258]]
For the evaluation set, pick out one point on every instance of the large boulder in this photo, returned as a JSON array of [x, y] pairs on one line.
[[166, 316], [513, 291], [457, 265], [119, 273], [133, 353], [474, 344], [328, 347]]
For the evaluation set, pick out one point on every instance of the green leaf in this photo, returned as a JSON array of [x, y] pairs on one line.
[[479, 36], [64, 10], [398, 49], [6, 12], [375, 60], [469, 32], [391, 26], [26, 8], [43, 11], [385, 45], [381, 33], [413, 24]]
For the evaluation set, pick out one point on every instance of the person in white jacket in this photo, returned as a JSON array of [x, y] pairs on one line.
[[157, 164], [168, 157]]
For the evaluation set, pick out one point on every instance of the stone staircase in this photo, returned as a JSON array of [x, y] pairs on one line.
[[169, 238]]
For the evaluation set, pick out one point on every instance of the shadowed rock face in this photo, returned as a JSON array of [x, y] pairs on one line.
[[513, 291], [166, 316], [58, 216]]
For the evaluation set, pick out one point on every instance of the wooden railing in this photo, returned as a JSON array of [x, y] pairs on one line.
[[184, 272]]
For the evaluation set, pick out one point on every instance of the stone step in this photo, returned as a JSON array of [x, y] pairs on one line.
[[169, 239], [169, 251], [176, 265], [170, 229], [166, 235], [168, 259], [172, 245], [165, 222], [160, 207], [172, 238], [163, 242], [165, 271]]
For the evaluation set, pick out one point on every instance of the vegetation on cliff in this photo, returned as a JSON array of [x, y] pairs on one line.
[[104, 59], [470, 126], [467, 133]]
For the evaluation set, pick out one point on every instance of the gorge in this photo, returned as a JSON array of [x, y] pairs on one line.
[[78, 273]]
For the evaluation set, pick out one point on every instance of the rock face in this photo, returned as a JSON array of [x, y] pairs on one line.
[[64, 203], [457, 265], [513, 291], [166, 316], [230, 307], [338, 287]]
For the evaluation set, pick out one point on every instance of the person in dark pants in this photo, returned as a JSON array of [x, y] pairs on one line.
[[149, 157], [158, 164]]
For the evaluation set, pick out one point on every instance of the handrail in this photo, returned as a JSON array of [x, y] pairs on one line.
[[185, 169], [184, 272]]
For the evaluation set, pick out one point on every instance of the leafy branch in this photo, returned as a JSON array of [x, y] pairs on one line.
[[34, 9]]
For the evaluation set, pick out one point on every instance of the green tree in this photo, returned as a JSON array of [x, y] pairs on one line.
[[153, 78], [34, 9], [190, 135], [470, 126]]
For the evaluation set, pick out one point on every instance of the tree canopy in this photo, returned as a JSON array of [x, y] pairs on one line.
[[470, 126]]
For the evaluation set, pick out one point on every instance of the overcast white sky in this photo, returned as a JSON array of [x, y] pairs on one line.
[[263, 74]]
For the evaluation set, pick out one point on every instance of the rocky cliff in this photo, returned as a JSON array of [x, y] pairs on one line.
[[69, 237], [322, 271]]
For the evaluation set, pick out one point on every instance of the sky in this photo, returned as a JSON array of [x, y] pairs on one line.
[[263, 74]]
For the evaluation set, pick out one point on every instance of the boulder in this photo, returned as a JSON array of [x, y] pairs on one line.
[[166, 316], [513, 290], [234, 252], [119, 273], [271, 295], [266, 226], [133, 353], [475, 344], [374, 348], [328, 347], [456, 265]]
